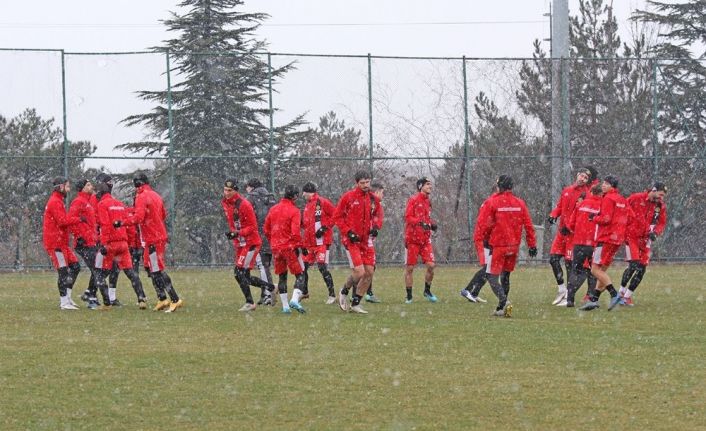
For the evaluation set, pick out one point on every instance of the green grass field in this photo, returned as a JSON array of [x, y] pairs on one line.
[[420, 366]]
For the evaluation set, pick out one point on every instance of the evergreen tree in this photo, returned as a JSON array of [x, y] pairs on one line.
[[220, 115], [33, 157], [681, 54]]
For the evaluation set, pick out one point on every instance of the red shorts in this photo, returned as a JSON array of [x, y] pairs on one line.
[[413, 251], [604, 253], [636, 249], [502, 259], [117, 252], [560, 244], [317, 254], [245, 256], [287, 260], [360, 254], [154, 256], [62, 257]]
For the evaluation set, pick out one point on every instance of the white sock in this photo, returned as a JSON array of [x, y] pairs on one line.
[[111, 293], [297, 295], [622, 290], [63, 300], [285, 301], [628, 294], [562, 288], [68, 293]]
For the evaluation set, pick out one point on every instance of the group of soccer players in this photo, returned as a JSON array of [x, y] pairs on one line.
[[594, 220]]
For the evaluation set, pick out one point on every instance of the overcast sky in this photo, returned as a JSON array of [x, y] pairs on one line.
[[101, 89]]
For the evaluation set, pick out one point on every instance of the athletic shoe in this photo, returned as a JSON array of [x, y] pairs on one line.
[[267, 300], [174, 305], [68, 306], [372, 298], [71, 301], [262, 300], [569, 304], [508, 310], [590, 305], [330, 300], [480, 300], [408, 301], [247, 307], [614, 301], [116, 303], [430, 296], [560, 296], [498, 313], [286, 311], [84, 297], [162, 304], [358, 309], [297, 306], [92, 305], [141, 304], [628, 302], [466, 294], [561, 303], [343, 301]]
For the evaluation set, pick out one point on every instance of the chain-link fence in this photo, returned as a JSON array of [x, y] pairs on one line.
[[459, 121]]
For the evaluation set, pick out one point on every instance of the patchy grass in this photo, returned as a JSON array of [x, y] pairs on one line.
[[420, 366]]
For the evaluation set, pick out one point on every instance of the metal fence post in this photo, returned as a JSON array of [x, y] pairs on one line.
[[271, 138], [467, 149], [370, 112], [170, 122], [65, 147], [655, 122]]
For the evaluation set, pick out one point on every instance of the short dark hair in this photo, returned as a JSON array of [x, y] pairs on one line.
[[377, 186], [254, 183], [362, 175], [596, 190]]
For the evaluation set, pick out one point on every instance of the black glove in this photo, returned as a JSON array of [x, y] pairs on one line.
[[486, 244], [591, 216], [551, 220], [231, 235], [117, 223], [374, 232], [152, 249], [425, 226], [434, 227], [653, 236], [103, 250], [320, 231], [80, 242], [532, 251], [305, 251], [352, 236], [565, 231]]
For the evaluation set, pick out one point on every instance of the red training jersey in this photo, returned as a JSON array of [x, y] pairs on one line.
[[242, 220], [55, 232], [282, 226], [647, 216], [504, 219], [356, 210], [83, 206], [613, 219], [418, 211], [318, 213], [110, 210], [584, 230], [150, 215]]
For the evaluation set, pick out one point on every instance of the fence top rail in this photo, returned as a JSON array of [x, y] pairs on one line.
[[389, 57]]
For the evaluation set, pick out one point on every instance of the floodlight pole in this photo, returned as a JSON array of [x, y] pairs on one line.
[[560, 95]]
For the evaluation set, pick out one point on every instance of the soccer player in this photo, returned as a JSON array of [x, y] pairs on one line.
[[55, 236], [243, 231], [480, 240], [378, 190], [262, 200], [318, 235], [354, 216], [150, 215], [648, 222], [283, 230], [561, 247], [504, 218], [112, 217], [417, 238], [612, 222], [85, 237], [582, 229]]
